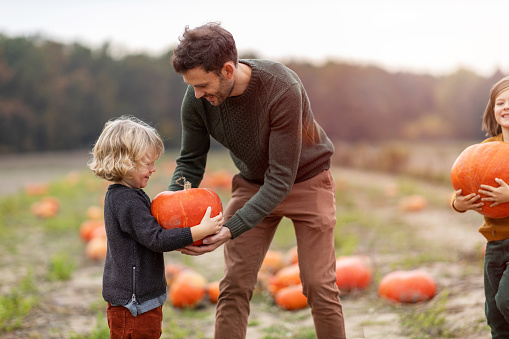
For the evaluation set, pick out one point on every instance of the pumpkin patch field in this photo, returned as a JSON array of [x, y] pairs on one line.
[[408, 266]]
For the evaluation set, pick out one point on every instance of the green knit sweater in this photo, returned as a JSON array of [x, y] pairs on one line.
[[270, 132]]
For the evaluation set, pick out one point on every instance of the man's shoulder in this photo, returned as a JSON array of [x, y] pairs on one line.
[[270, 69]]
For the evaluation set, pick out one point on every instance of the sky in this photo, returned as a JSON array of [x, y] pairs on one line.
[[435, 37]]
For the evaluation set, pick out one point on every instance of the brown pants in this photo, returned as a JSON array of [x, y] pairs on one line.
[[123, 325], [311, 205]]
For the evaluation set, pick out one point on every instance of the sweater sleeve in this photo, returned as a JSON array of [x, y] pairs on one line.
[[285, 144], [136, 220], [195, 144]]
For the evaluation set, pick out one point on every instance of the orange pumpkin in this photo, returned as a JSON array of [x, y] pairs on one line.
[[188, 289], [95, 212], [293, 255], [272, 262], [171, 271], [35, 189], [291, 298], [289, 275], [213, 291], [45, 208], [96, 248], [353, 273], [185, 208], [88, 227], [478, 165], [407, 286], [412, 203]]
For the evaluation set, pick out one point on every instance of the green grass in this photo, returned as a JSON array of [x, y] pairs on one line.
[[16, 304]]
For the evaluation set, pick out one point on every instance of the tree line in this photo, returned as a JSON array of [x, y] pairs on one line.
[[56, 96]]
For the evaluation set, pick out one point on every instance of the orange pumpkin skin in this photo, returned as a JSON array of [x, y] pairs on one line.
[[353, 273], [407, 286], [291, 298], [478, 165], [188, 289], [213, 291], [289, 275], [185, 208]]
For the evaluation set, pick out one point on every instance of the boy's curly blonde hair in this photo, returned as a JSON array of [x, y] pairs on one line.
[[124, 144]]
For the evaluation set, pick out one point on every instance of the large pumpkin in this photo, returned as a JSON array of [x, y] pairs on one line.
[[407, 286], [478, 165], [185, 208]]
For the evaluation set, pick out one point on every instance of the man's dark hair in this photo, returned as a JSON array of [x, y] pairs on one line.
[[209, 46]]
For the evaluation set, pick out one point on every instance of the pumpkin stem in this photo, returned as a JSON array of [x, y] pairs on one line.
[[186, 184]]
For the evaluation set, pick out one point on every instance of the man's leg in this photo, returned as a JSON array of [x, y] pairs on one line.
[[243, 258], [312, 207]]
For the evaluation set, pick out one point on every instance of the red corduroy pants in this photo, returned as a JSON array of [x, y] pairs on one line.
[[123, 325]]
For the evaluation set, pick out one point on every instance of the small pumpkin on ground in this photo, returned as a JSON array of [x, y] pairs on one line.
[[291, 298], [411, 286]]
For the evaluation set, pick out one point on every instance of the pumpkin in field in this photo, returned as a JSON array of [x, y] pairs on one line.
[[188, 289], [95, 212], [171, 271], [353, 273], [35, 189], [273, 261], [478, 165], [407, 286], [47, 207], [213, 291], [96, 248], [185, 208], [412, 203], [289, 275], [89, 227], [292, 255], [291, 298]]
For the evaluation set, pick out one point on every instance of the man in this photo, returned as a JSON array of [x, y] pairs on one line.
[[259, 111]]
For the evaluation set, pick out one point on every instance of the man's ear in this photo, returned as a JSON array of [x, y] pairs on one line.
[[228, 69]]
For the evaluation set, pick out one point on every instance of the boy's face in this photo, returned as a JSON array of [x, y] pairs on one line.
[[139, 178]]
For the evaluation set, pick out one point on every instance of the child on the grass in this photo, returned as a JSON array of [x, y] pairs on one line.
[[496, 231], [134, 283]]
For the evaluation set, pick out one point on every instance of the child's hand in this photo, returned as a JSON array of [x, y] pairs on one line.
[[212, 225], [498, 195], [464, 203]]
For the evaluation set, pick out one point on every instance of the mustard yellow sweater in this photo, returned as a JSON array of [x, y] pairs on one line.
[[492, 229]]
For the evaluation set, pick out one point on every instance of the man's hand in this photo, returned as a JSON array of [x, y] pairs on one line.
[[209, 243]]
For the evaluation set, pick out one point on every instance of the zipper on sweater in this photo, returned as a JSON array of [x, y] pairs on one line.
[[133, 298]]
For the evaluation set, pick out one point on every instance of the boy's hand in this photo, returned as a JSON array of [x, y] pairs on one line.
[[464, 203], [209, 243], [498, 195]]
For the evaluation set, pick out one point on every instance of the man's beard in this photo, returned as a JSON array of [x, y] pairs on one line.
[[223, 91]]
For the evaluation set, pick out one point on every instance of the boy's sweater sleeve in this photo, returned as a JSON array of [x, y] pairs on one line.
[[136, 220]]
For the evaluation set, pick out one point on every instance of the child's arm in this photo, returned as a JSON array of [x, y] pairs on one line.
[[207, 226], [463, 203], [498, 194]]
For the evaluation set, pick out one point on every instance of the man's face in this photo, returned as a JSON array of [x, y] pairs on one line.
[[215, 88]]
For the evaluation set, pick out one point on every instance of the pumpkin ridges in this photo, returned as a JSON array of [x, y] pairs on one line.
[[184, 208], [481, 164]]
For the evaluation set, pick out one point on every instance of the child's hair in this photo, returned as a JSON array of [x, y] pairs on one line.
[[124, 144], [489, 123]]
